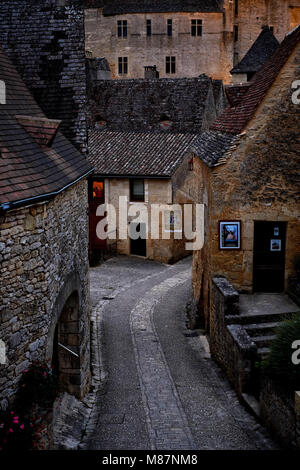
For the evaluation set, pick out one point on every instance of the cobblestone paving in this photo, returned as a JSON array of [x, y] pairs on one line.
[[159, 389]]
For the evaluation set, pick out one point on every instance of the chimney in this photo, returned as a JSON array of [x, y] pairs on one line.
[[150, 72]]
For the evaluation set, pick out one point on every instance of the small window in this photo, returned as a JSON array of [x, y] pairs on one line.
[[236, 7], [98, 191], [170, 64], [272, 29], [170, 27], [196, 27], [122, 29], [123, 65], [137, 190], [236, 33], [149, 28]]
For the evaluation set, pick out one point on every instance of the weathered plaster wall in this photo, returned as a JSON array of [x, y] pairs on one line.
[[46, 43], [43, 260]]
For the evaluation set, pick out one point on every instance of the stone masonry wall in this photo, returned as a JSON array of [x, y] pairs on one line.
[[45, 40], [43, 260], [259, 181], [210, 53]]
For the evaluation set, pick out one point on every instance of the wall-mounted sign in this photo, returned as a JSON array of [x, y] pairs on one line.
[[275, 245], [276, 231], [230, 235]]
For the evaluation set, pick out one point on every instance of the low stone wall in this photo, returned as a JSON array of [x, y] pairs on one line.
[[280, 413], [43, 261], [230, 345]]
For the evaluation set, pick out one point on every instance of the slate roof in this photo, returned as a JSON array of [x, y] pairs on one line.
[[35, 158], [137, 154], [119, 7], [258, 54], [234, 119], [211, 146]]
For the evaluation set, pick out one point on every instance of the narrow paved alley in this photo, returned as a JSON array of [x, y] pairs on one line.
[[160, 388]]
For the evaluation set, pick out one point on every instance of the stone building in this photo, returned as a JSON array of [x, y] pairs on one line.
[[46, 41], [139, 128], [182, 38], [249, 162], [145, 168], [43, 197]]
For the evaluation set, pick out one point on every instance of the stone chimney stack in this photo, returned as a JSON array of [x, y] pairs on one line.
[[150, 72]]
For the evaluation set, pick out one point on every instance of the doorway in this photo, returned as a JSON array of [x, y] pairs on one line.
[[138, 247], [269, 256]]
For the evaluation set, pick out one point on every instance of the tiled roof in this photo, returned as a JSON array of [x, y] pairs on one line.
[[118, 7], [262, 49], [37, 161], [234, 119], [137, 154], [236, 92], [211, 146]]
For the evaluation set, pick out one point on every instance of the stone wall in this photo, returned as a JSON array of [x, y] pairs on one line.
[[211, 53], [140, 105], [280, 413], [230, 345], [43, 261], [45, 40]]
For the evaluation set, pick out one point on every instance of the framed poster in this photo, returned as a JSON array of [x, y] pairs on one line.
[[230, 235], [275, 245]]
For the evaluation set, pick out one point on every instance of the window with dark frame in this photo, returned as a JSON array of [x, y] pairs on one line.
[[236, 7], [123, 65], [122, 28], [137, 190], [236, 33], [170, 27], [149, 27], [196, 27], [170, 64]]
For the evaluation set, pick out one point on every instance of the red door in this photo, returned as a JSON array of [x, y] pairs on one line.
[[96, 198]]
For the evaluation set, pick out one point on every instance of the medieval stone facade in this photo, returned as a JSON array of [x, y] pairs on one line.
[[44, 283], [200, 37]]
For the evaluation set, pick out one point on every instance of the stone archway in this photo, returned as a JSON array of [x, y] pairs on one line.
[[66, 347]]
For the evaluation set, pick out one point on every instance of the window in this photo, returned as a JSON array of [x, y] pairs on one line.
[[98, 191], [196, 27], [149, 27], [137, 191], [236, 33], [122, 29], [170, 64], [272, 29], [236, 7], [123, 65], [170, 27]]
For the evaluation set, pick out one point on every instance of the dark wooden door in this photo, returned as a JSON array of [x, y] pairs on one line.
[[138, 247], [269, 256]]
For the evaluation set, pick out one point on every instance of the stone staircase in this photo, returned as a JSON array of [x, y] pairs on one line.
[[260, 315]]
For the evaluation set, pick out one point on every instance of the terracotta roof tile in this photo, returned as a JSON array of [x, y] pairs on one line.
[[137, 154], [234, 119]]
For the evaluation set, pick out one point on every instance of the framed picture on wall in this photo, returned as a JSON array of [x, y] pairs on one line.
[[230, 235]]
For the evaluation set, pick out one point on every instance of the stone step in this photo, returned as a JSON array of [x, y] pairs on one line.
[[263, 317], [261, 329], [263, 352], [263, 341], [251, 403]]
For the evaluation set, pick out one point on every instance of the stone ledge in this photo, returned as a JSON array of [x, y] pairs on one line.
[[242, 340]]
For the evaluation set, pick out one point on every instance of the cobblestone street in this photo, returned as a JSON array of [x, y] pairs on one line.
[[159, 387]]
